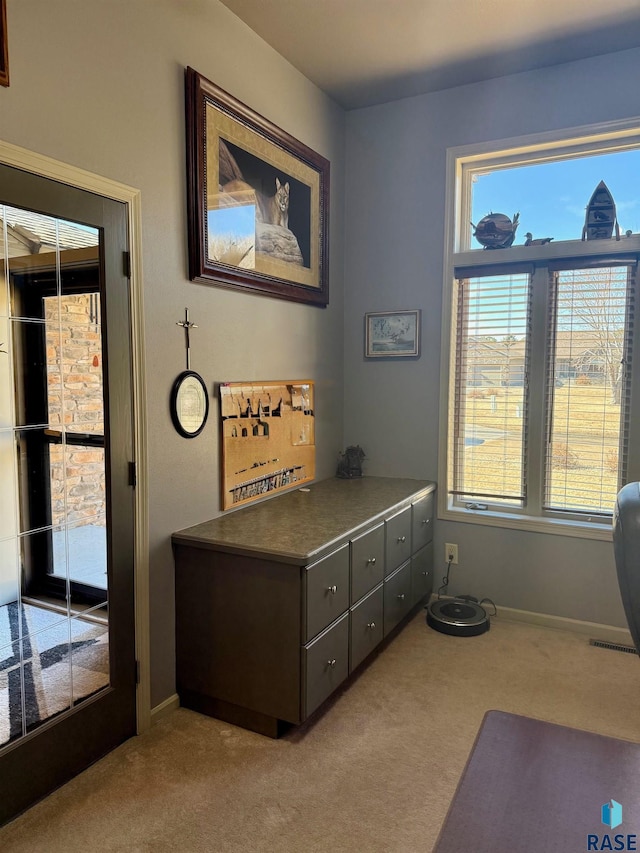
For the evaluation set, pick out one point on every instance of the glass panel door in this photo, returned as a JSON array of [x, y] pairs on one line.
[[54, 633], [67, 642]]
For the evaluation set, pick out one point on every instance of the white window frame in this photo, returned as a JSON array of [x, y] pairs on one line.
[[462, 163]]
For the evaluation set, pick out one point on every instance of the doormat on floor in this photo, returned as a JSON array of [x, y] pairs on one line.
[[63, 661], [530, 786]]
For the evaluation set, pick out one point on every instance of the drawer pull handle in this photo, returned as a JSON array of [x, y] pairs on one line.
[[332, 589], [402, 538], [401, 597], [331, 663], [426, 520], [425, 574], [371, 625], [371, 561]]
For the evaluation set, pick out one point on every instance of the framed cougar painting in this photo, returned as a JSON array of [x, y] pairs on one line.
[[258, 200]]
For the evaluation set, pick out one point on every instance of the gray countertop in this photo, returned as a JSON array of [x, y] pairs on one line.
[[302, 524]]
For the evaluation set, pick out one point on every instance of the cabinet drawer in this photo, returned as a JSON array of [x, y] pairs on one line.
[[366, 627], [367, 562], [325, 664], [397, 597], [398, 539], [422, 574], [326, 591], [422, 522]]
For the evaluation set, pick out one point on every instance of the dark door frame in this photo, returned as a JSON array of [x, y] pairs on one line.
[[29, 751]]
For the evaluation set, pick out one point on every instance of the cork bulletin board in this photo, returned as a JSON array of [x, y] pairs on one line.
[[268, 438]]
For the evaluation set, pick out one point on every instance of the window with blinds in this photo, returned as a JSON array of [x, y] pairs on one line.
[[541, 392], [490, 401], [541, 370], [588, 386]]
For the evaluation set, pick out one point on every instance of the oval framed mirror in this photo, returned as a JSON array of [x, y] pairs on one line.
[[189, 404]]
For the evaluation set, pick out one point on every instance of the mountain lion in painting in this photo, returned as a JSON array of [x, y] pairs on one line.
[[274, 210]]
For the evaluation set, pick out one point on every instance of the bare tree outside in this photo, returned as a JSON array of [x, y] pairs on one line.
[[591, 307], [588, 372]]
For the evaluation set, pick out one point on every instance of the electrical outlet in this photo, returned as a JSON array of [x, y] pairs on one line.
[[451, 551]]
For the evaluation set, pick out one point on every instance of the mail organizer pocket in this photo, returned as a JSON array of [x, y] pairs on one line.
[[398, 539], [325, 664], [366, 627], [326, 591], [367, 562]]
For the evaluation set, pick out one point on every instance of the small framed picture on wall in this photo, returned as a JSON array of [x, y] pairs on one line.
[[392, 334]]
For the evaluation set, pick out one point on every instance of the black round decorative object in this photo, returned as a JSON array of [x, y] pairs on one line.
[[460, 617], [189, 404], [496, 231]]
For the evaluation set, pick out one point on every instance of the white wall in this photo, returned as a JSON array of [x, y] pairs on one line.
[[394, 234], [99, 84]]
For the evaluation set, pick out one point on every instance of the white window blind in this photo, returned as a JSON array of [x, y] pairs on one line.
[[588, 387], [492, 323]]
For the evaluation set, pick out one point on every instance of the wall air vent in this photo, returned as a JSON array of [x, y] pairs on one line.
[[617, 647]]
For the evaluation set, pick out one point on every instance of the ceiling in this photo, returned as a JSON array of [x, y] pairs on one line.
[[364, 52]]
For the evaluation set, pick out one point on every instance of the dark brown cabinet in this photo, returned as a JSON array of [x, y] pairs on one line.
[[278, 603]]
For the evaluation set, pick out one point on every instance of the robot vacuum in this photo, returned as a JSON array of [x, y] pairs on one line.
[[461, 616]]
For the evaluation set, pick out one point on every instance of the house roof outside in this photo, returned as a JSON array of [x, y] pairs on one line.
[[37, 233], [577, 348]]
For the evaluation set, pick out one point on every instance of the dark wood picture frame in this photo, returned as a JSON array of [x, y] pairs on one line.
[[4, 46], [238, 236]]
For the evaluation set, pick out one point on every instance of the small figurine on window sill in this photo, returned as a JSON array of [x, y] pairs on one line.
[[350, 463], [601, 219], [496, 230], [539, 242]]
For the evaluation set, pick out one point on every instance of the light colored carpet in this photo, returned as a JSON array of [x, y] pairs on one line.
[[374, 772]]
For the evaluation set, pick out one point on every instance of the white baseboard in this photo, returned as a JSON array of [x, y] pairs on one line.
[[164, 708], [594, 630]]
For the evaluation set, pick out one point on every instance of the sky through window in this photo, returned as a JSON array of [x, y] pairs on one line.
[[552, 197]]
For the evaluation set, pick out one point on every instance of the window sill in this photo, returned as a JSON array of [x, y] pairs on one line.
[[533, 524], [574, 249]]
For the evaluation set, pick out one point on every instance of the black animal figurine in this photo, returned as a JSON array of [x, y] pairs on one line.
[[350, 463]]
